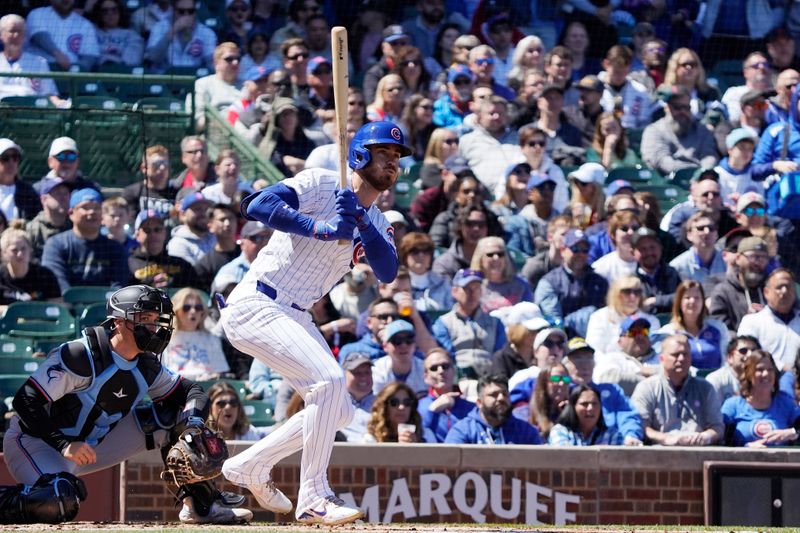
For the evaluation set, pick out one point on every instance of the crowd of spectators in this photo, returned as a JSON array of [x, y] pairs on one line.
[[539, 299]]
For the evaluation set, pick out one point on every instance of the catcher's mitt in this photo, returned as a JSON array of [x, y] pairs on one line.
[[197, 456]]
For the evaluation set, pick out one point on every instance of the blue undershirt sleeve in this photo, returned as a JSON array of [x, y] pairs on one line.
[[276, 206], [381, 255]]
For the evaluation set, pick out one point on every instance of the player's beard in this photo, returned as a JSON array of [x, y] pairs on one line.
[[377, 178]]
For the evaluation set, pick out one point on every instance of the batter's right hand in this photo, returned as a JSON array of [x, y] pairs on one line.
[[338, 228], [346, 202], [80, 453]]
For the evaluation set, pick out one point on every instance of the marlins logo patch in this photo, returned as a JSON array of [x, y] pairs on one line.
[[395, 133], [54, 372]]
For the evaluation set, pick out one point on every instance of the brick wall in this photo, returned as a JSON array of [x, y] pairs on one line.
[[615, 485]]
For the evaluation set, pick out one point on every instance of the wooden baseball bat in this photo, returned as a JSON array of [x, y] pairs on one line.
[[341, 81]]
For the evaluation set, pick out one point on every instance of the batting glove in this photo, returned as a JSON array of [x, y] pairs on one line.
[[338, 228], [347, 203]]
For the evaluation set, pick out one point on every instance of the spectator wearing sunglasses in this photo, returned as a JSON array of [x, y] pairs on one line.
[[526, 230], [192, 351], [702, 258], [399, 363], [727, 378], [357, 368], [705, 193], [395, 417], [481, 63], [64, 161], [632, 359], [550, 395], [220, 89], [180, 40], [780, 104], [757, 77], [491, 421], [295, 28], [502, 287], [18, 199], [659, 280], [444, 405], [770, 156], [228, 416], [149, 263], [380, 313]]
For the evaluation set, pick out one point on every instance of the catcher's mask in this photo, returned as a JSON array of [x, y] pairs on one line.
[[129, 304]]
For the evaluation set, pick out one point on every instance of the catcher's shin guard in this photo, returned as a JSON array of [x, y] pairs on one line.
[[53, 499]]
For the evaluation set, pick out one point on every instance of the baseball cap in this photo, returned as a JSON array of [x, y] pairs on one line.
[[395, 217], [752, 244], [668, 92], [552, 87], [48, 184], [395, 327], [394, 32], [632, 322], [465, 276], [777, 34], [750, 197], [457, 164], [458, 71], [145, 215], [574, 236], [589, 173], [63, 144], [536, 323], [498, 20], [730, 241], [751, 96], [644, 28], [537, 178], [590, 83], [315, 62], [643, 233], [542, 336], [617, 185], [353, 360], [229, 2], [467, 40], [514, 168], [251, 228], [577, 344], [192, 198], [702, 174], [256, 73], [8, 144], [84, 195], [520, 312], [738, 135]]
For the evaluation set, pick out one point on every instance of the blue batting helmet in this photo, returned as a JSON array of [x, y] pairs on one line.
[[381, 132]]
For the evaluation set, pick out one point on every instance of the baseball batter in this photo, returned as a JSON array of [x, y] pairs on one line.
[[266, 318]]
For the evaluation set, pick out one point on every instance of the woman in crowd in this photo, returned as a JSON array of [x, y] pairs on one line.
[[285, 144], [465, 191], [707, 336], [763, 415], [257, 53], [502, 287], [610, 145], [21, 280], [515, 196], [517, 354], [442, 144], [624, 300], [390, 96], [443, 51], [431, 291], [192, 351], [550, 395], [471, 223], [685, 68], [227, 414], [533, 142], [118, 44], [229, 181], [620, 261], [396, 404], [417, 124], [528, 55], [581, 422], [587, 203], [576, 39], [410, 65]]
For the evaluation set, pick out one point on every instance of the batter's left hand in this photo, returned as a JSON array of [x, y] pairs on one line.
[[346, 202]]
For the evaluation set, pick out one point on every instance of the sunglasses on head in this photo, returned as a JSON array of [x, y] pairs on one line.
[[386, 316], [443, 366], [397, 340], [233, 402], [197, 307], [750, 211], [405, 402], [70, 157], [13, 156], [561, 379]]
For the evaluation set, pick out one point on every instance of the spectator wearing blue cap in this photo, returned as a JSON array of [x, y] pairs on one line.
[[394, 38], [569, 293], [399, 363], [320, 88], [192, 239], [735, 170], [450, 109], [632, 359], [527, 230], [218, 90], [254, 84], [149, 263], [82, 256], [467, 332]]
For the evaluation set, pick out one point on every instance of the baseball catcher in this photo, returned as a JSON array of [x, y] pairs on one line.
[[84, 410]]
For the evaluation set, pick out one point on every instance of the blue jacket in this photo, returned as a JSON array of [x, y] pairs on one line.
[[365, 344], [473, 430], [771, 143], [559, 293], [441, 423], [445, 112]]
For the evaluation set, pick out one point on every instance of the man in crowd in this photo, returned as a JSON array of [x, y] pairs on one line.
[[622, 93], [255, 236], [61, 35], [64, 161], [357, 368], [726, 379], [381, 313], [678, 409], [180, 40], [192, 239], [155, 191], [399, 363], [222, 225], [491, 422], [659, 280], [443, 407], [705, 192], [14, 59], [18, 199], [584, 115], [150, 264], [81, 256], [450, 108], [394, 37], [424, 28], [702, 258], [778, 110], [634, 361], [482, 60], [53, 218], [757, 77], [199, 171]]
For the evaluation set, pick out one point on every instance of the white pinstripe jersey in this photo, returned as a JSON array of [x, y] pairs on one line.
[[73, 35], [26, 62], [302, 269]]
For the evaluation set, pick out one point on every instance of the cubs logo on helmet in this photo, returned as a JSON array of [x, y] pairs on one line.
[[380, 132], [395, 133]]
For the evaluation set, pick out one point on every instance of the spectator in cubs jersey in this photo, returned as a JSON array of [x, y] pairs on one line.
[[180, 40], [14, 59], [62, 36]]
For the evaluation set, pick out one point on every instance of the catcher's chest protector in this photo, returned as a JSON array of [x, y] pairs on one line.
[[91, 413]]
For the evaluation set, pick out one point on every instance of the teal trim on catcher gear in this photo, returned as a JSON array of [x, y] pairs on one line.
[[381, 132]]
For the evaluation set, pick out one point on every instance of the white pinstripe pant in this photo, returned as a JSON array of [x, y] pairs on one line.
[[287, 341]]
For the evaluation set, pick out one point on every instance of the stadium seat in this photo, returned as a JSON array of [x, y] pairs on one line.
[[27, 101], [728, 73], [517, 257], [239, 385], [91, 315], [160, 103], [259, 412], [15, 347], [97, 102], [13, 364], [681, 177], [38, 320], [632, 174], [33, 128], [10, 384], [84, 295], [635, 139], [664, 318], [667, 195], [405, 191]]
